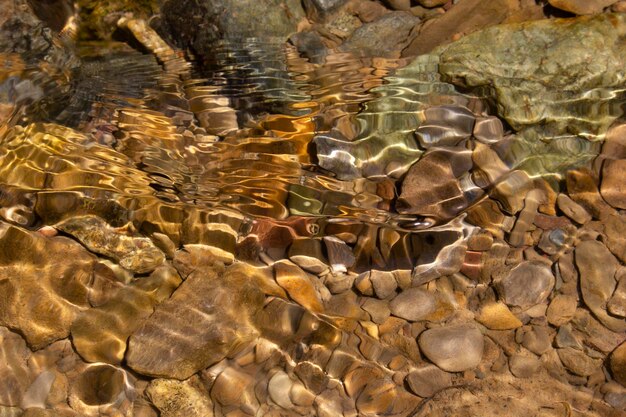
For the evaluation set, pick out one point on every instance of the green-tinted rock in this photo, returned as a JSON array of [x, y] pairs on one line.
[[564, 75]]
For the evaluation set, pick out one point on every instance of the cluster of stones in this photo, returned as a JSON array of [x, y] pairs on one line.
[[525, 292]]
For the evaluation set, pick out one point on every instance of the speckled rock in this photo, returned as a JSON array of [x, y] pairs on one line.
[[180, 398], [561, 309], [553, 68], [453, 349], [137, 254], [497, 316]]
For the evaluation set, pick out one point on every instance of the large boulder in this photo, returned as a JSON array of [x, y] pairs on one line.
[[550, 66]]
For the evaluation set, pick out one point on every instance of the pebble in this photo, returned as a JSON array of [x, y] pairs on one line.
[[524, 365], [576, 361], [617, 303], [561, 309], [618, 364], [597, 267], [278, 388], [497, 316], [453, 349], [339, 254], [613, 187], [427, 381], [299, 285], [572, 209], [537, 340], [527, 284], [384, 283], [413, 304], [581, 7]]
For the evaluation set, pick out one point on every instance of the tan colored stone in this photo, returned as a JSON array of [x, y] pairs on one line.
[[618, 364], [100, 334], [453, 349], [180, 398], [427, 381], [206, 318], [299, 285], [40, 296], [497, 316], [527, 284], [613, 188], [582, 7], [576, 361], [561, 309]]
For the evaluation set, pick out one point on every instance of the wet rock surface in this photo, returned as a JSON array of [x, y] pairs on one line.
[[257, 208]]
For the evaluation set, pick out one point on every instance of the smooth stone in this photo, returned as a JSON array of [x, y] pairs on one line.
[[581, 7], [432, 3], [488, 130], [399, 4], [597, 268], [137, 254], [180, 398], [561, 309], [618, 364], [299, 285], [537, 340], [384, 283], [307, 253], [617, 303], [527, 284], [377, 309], [524, 366], [427, 381], [39, 296], [278, 388], [546, 77], [413, 304], [209, 315], [576, 361], [453, 349], [321, 9], [497, 316], [613, 186], [445, 126]]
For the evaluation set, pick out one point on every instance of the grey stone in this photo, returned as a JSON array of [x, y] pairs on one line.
[[427, 381], [321, 9], [527, 284], [413, 304], [453, 349]]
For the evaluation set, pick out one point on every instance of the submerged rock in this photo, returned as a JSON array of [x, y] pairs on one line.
[[582, 6], [453, 349], [39, 295], [137, 254], [566, 72], [207, 317]]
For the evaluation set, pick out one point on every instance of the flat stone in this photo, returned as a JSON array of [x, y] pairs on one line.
[[307, 253], [618, 364], [378, 309], [553, 56], [597, 268], [210, 314], [278, 388], [613, 187], [100, 334], [581, 7], [413, 304], [537, 340], [180, 398], [453, 349], [445, 126], [39, 296], [427, 381], [137, 254], [524, 366], [497, 316], [561, 309], [527, 284], [576, 361], [299, 285]]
